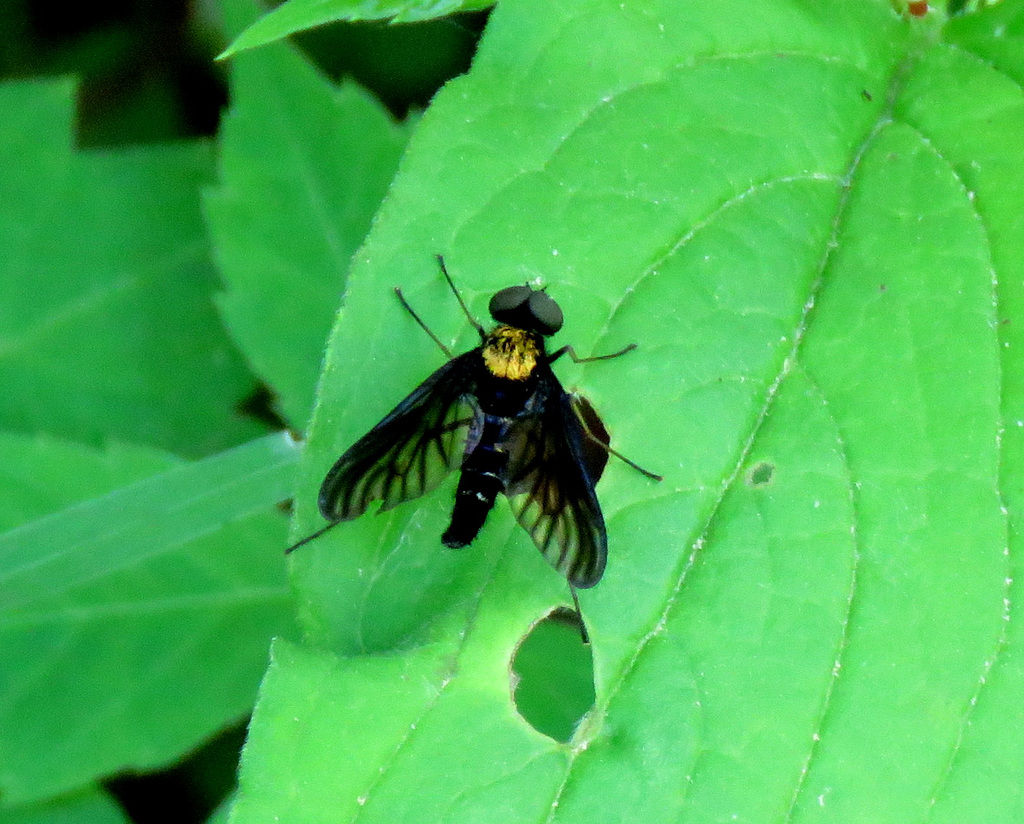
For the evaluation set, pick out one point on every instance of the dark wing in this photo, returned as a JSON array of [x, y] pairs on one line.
[[595, 456], [550, 481], [409, 452]]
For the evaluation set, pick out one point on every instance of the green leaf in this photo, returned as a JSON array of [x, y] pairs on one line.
[[135, 623], [223, 812], [89, 806], [304, 166], [976, 134], [995, 35], [299, 15], [106, 288], [807, 217]]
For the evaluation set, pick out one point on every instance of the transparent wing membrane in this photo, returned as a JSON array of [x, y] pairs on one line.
[[551, 486], [410, 451]]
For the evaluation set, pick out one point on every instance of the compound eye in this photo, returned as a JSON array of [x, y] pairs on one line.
[[508, 301], [547, 315]]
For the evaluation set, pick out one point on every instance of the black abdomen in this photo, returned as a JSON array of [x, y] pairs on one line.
[[479, 485]]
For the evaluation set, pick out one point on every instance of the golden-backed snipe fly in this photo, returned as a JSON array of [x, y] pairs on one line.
[[498, 414]]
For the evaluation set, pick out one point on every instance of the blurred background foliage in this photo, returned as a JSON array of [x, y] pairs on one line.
[[146, 73]]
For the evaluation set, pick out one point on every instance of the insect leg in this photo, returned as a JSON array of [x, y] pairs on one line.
[[419, 320], [592, 437], [458, 297], [312, 537], [568, 350], [583, 625]]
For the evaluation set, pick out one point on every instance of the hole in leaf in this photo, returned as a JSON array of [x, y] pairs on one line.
[[761, 474], [553, 675]]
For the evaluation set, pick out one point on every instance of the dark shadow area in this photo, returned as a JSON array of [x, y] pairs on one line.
[[405, 64], [146, 68], [188, 792]]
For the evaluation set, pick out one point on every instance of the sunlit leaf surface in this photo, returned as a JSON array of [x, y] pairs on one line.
[[808, 219]]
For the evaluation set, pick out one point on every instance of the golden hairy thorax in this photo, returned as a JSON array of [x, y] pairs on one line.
[[511, 353]]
